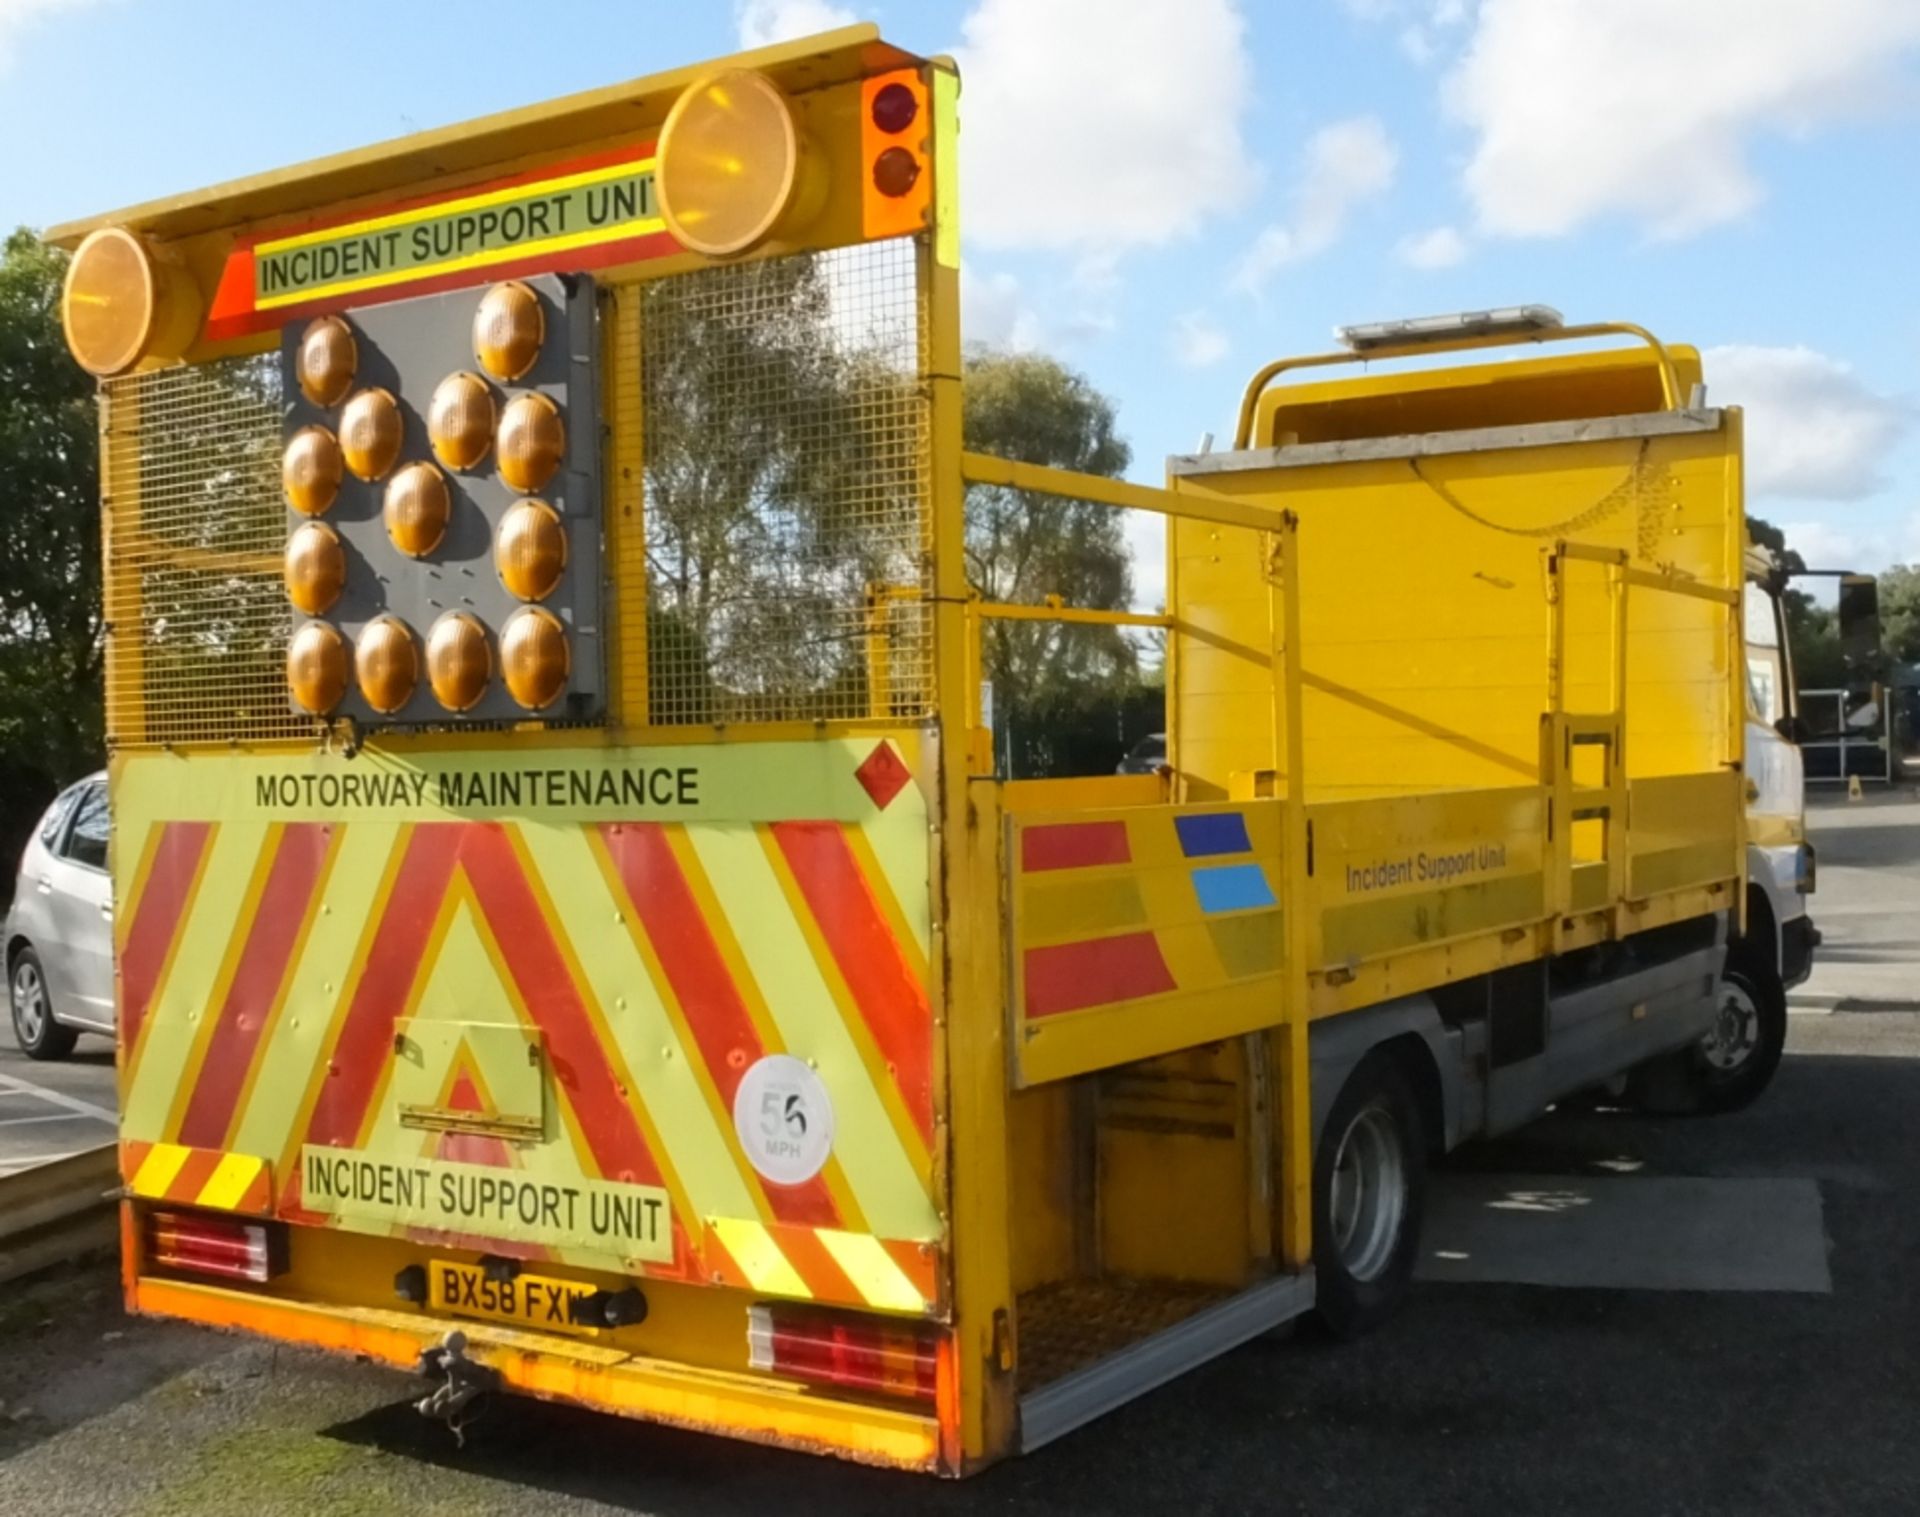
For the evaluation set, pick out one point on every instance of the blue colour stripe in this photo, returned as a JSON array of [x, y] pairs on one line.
[[1232, 887], [1209, 832]]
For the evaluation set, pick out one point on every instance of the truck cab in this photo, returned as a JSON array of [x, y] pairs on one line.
[[1780, 860]]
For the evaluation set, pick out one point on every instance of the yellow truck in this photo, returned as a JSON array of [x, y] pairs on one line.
[[572, 937]]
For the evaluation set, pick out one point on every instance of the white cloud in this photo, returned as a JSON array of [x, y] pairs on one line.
[[764, 22], [1440, 248], [1347, 164], [1101, 124], [19, 16], [1146, 536], [1421, 26], [995, 312], [1196, 341], [998, 311], [1814, 431], [1821, 545], [1648, 108]]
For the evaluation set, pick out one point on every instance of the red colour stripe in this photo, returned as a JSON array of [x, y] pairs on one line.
[[1097, 972], [916, 1261], [163, 901], [892, 1001], [365, 1042], [195, 1173], [264, 964], [574, 1048], [258, 1199], [715, 1013], [133, 1154], [813, 1264], [1073, 845]]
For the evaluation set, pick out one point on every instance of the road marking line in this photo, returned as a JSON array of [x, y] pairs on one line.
[[59, 1116], [15, 1085]]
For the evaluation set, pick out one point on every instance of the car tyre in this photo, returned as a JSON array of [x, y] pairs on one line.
[[1369, 1198], [39, 1036]]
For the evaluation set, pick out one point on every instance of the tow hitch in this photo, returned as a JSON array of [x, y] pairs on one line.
[[462, 1382]]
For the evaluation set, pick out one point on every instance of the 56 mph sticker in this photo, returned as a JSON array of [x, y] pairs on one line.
[[784, 1119]]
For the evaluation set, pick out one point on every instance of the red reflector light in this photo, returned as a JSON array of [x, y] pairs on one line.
[[230, 1247], [895, 172], [894, 108], [854, 1353]]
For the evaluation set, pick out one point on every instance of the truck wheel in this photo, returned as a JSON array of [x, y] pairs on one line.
[[1729, 1067], [1369, 1195], [39, 1036], [1737, 1060]]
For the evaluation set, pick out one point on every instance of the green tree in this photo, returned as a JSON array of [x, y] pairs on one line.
[[50, 619], [1023, 546], [1068, 698], [1900, 613], [782, 488]]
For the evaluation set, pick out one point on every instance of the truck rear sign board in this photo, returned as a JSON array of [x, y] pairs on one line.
[[376, 1191]]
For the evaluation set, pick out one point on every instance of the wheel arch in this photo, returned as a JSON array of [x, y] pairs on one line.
[[1409, 1031]]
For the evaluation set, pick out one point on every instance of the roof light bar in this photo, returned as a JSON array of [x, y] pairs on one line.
[[1508, 321]]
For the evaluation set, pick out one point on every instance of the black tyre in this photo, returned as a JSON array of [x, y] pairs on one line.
[[1369, 1197], [1738, 1059], [39, 1036], [1729, 1067]]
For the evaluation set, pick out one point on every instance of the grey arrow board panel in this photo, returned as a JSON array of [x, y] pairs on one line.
[[407, 347]]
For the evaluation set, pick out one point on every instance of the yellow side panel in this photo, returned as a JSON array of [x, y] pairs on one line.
[[1425, 616], [1141, 930], [1392, 873]]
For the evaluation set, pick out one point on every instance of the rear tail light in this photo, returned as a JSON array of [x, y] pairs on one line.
[[853, 1353], [202, 1244]]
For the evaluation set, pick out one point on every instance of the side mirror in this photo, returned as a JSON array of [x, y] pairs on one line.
[[1858, 614], [1792, 729]]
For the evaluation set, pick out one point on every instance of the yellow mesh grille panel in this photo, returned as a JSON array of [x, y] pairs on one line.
[[785, 483], [198, 619]]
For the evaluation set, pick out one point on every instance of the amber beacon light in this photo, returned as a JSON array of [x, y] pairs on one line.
[[459, 662], [460, 420], [508, 328], [371, 431], [386, 661], [325, 362], [734, 166], [317, 667], [534, 657], [316, 567], [533, 440], [415, 508], [121, 304], [310, 471], [530, 550]]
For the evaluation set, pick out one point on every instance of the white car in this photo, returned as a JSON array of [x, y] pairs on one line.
[[59, 934]]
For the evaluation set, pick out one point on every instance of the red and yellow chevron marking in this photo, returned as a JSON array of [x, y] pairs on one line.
[[164, 885], [643, 966], [197, 1177], [824, 1264]]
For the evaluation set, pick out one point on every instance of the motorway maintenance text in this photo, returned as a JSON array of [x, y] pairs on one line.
[[641, 786]]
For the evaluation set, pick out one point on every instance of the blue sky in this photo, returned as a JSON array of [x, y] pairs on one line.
[[1166, 193]]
